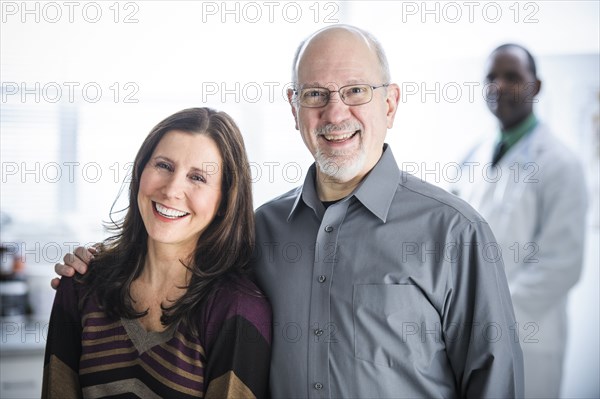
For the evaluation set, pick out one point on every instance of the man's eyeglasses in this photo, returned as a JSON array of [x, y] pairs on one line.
[[316, 97]]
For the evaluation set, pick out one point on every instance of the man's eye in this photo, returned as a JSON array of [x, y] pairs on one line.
[[314, 93], [356, 90], [512, 77]]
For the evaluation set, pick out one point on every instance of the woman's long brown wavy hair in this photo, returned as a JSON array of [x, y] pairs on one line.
[[222, 251]]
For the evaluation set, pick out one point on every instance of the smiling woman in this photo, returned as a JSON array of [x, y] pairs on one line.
[[167, 306], [180, 190]]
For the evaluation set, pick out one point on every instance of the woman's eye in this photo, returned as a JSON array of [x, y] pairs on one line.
[[164, 165], [198, 178]]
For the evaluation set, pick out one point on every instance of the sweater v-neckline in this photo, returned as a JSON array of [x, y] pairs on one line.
[[143, 339]]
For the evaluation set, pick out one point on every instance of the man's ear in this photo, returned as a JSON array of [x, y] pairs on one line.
[[538, 87], [290, 96], [532, 89], [393, 97]]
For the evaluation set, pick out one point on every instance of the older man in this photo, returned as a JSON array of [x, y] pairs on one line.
[[381, 285]]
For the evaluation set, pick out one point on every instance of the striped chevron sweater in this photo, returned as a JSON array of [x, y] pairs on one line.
[[90, 355]]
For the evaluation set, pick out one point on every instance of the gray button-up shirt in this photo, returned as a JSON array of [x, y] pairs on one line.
[[397, 290]]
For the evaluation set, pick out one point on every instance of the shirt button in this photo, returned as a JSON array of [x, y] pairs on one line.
[[318, 332], [322, 279], [329, 229], [318, 386]]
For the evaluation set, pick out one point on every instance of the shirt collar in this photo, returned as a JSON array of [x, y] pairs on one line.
[[308, 194], [511, 136], [375, 192]]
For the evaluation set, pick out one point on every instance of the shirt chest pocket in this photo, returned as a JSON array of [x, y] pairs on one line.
[[395, 324]]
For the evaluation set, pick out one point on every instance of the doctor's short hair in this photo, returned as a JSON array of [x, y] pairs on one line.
[[530, 59]]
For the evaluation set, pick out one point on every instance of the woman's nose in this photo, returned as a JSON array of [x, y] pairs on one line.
[[174, 187]]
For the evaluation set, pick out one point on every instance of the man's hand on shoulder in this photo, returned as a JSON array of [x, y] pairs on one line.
[[77, 261]]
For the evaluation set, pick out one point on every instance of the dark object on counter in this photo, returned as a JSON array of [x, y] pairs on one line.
[[13, 287], [13, 298]]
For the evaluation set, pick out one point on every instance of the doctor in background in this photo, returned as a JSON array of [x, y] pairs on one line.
[[531, 190]]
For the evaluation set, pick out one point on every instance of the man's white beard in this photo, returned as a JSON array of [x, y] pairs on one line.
[[340, 167]]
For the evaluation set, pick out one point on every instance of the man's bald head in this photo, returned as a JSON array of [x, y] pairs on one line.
[[338, 31]]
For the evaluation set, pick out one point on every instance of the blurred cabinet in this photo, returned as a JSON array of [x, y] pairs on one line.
[[22, 345], [21, 374]]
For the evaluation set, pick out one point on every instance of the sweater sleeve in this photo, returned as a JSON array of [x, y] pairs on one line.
[[238, 344], [63, 347]]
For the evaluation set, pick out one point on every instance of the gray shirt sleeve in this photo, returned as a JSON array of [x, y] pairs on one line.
[[478, 319]]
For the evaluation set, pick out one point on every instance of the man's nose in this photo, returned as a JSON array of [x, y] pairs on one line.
[[336, 110]]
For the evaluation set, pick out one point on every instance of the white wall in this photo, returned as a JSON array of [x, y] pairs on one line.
[[236, 56]]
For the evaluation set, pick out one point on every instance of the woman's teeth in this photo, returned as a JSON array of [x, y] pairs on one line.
[[168, 212]]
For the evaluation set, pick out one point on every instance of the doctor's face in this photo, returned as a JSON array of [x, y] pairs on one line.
[[510, 86], [346, 141]]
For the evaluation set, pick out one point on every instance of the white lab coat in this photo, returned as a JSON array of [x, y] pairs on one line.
[[535, 201]]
